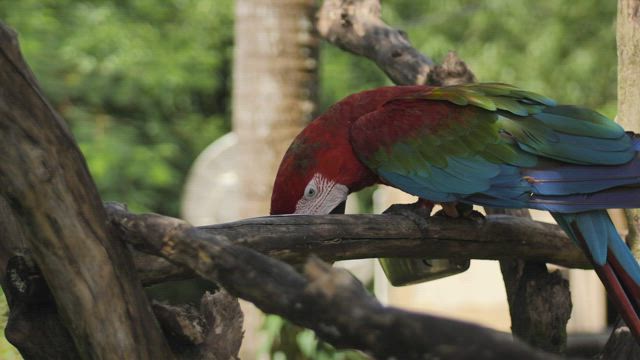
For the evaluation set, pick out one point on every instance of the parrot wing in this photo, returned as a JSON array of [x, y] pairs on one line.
[[479, 141]]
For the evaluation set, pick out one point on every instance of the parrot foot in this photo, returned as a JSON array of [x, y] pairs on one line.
[[460, 210], [420, 211]]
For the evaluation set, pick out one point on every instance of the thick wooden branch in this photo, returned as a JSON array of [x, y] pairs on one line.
[[329, 301], [45, 185], [155, 270], [341, 237]]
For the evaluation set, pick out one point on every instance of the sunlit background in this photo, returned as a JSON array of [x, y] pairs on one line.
[[146, 84]]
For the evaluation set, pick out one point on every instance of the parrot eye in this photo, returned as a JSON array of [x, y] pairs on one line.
[[311, 191], [321, 196]]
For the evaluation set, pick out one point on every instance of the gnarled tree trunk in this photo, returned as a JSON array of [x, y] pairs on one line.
[[53, 203]]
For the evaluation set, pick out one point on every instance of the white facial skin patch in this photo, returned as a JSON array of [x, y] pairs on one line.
[[321, 196]]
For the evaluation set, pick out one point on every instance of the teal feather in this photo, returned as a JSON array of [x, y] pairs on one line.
[[600, 236], [501, 125], [579, 121]]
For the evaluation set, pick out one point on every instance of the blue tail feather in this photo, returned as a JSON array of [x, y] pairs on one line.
[[621, 252], [600, 236]]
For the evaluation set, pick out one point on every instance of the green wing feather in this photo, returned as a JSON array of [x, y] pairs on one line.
[[566, 133], [492, 97], [487, 127]]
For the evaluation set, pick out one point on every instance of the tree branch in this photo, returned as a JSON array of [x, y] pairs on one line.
[[342, 237], [329, 301], [355, 26], [331, 237]]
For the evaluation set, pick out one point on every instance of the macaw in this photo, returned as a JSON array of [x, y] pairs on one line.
[[489, 144]]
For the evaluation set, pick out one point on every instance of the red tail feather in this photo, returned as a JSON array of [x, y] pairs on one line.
[[619, 297], [622, 290], [630, 287]]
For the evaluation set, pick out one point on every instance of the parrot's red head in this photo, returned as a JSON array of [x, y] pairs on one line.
[[315, 177], [320, 168]]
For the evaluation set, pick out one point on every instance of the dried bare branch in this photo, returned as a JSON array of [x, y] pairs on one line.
[[341, 237], [356, 26], [329, 301]]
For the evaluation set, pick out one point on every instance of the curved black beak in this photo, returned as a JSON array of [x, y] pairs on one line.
[[340, 208]]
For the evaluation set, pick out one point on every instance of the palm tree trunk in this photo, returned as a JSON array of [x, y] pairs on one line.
[[274, 89]]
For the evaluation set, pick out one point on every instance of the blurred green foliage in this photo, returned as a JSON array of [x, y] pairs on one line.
[[563, 49], [7, 351], [287, 341], [145, 84]]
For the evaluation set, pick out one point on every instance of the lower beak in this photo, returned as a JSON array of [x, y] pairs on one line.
[[340, 208]]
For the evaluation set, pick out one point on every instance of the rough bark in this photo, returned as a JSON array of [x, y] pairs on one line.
[[46, 185], [539, 301], [621, 345], [212, 332], [34, 325], [329, 301], [539, 304], [332, 238], [341, 237], [154, 270], [355, 26]]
